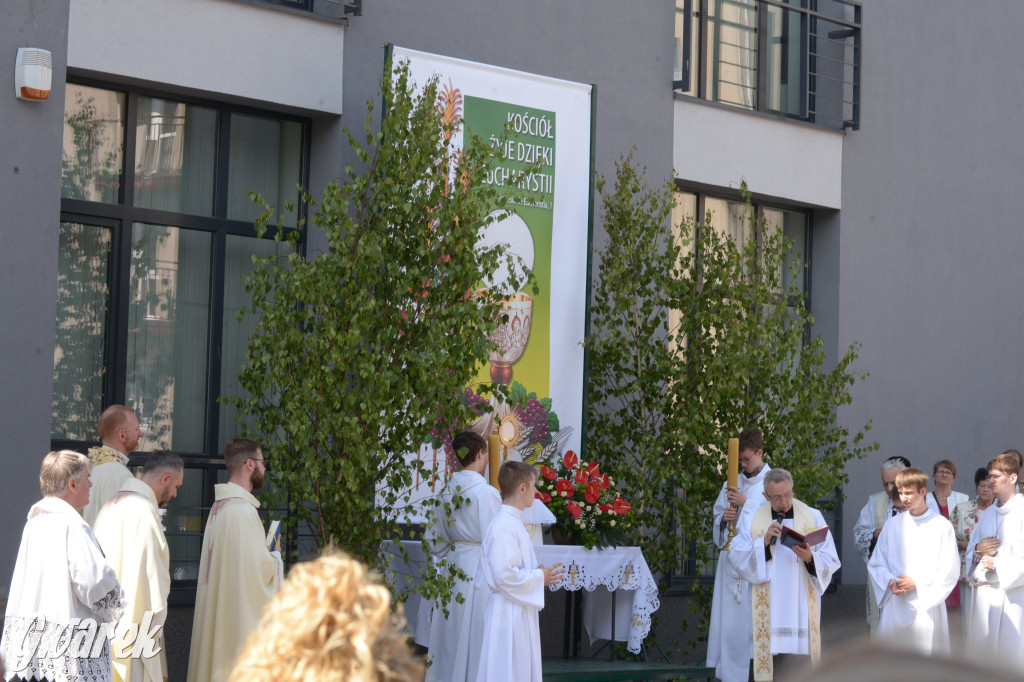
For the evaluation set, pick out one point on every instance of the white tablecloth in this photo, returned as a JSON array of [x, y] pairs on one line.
[[622, 570]]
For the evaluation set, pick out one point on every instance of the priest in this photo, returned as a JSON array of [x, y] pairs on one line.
[[465, 508], [787, 584], [914, 567], [995, 564], [729, 636], [238, 573], [129, 530], [61, 583], [120, 434]]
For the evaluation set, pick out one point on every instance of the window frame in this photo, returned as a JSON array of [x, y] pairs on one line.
[[121, 217]]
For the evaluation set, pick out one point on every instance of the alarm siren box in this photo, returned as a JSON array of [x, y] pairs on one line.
[[33, 73]]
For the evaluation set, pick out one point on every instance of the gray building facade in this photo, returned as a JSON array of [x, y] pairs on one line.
[[909, 216]]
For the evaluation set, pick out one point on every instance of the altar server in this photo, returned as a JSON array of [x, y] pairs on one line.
[[511, 635], [238, 574], [455, 534], [995, 561], [914, 567], [129, 530], [873, 515], [729, 636], [787, 583]]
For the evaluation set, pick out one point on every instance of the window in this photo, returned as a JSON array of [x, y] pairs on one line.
[[794, 58], [156, 237], [729, 217]]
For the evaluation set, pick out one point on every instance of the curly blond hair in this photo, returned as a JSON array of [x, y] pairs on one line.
[[328, 622]]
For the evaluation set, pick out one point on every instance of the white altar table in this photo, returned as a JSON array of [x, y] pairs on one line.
[[623, 571]]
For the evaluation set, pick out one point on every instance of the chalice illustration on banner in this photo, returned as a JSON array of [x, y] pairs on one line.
[[513, 333]]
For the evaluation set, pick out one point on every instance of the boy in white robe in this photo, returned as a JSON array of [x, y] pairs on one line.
[[873, 515], [130, 531], [995, 561], [787, 582], [511, 637], [729, 636], [238, 573], [456, 534], [61, 582], [913, 569]]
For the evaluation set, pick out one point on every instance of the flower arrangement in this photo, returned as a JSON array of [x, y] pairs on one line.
[[587, 508]]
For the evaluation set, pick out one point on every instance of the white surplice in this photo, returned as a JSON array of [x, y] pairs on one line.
[[510, 650], [729, 638], [996, 620], [923, 548], [238, 575], [456, 536], [108, 470], [60, 579], [790, 617], [129, 530]]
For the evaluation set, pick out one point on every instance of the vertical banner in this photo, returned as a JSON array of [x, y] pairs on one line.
[[541, 352]]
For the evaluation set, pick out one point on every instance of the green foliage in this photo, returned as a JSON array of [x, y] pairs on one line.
[[693, 339], [362, 350]]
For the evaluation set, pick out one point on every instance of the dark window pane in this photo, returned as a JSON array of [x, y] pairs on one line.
[[168, 329], [794, 228], [91, 163], [235, 340], [175, 165], [79, 358], [266, 154], [785, 61]]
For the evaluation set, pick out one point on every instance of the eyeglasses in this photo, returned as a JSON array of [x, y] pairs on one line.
[[781, 498], [265, 465], [944, 472]]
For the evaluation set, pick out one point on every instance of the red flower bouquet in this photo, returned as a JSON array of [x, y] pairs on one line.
[[587, 508]]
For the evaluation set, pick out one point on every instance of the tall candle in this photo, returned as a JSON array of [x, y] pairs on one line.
[[493, 457], [734, 461]]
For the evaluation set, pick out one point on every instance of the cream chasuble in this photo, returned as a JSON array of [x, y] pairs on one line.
[[729, 636], [131, 535], [456, 537], [237, 576], [997, 614], [924, 548], [510, 651], [108, 469], [785, 598]]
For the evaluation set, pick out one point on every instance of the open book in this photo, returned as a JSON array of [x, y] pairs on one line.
[[790, 538], [274, 536]]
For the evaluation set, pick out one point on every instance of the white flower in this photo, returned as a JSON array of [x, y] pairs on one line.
[[613, 522]]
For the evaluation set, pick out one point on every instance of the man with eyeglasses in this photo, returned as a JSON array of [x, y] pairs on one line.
[[879, 509], [787, 581], [995, 557], [729, 638], [238, 572]]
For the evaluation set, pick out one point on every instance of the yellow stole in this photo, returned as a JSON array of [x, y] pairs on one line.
[[104, 455], [760, 602]]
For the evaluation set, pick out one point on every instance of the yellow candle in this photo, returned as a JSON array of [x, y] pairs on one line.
[[734, 461], [494, 454]]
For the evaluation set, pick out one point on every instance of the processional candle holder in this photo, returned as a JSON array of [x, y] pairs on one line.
[[733, 480]]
